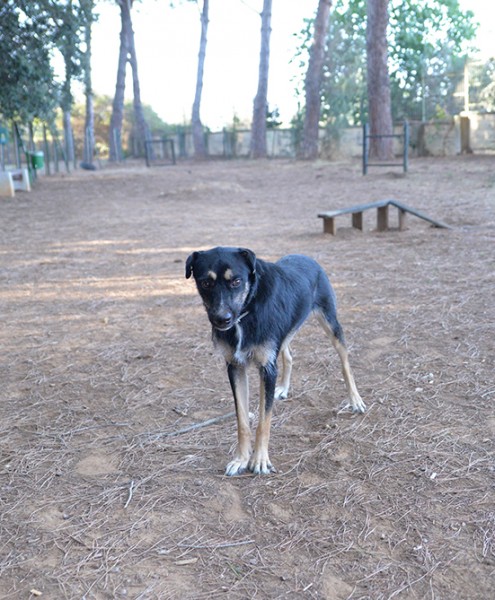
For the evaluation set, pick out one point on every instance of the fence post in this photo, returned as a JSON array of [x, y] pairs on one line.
[[406, 146], [365, 148], [47, 151]]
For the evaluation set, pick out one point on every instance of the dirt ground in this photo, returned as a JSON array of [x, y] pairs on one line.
[[107, 357]]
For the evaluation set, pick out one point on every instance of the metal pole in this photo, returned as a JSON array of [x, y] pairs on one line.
[[365, 148], [406, 146], [16, 147], [47, 151], [55, 155]]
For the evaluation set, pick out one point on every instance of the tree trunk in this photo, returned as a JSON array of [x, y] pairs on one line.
[[68, 136], [66, 105], [117, 117], [197, 126], [258, 127], [378, 80], [143, 132], [312, 84], [89, 128]]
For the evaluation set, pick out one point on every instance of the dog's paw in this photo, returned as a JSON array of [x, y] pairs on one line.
[[281, 393], [357, 405], [238, 466], [261, 465]]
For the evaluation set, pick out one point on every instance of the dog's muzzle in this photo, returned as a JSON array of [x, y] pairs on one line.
[[223, 322], [226, 321]]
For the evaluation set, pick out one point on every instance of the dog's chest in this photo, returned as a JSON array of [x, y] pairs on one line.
[[239, 350]]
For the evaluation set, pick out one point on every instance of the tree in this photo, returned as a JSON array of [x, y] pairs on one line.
[[378, 81], [28, 89], [117, 118], [127, 52], [258, 127], [197, 126], [102, 115], [312, 85], [67, 40], [87, 11], [426, 40]]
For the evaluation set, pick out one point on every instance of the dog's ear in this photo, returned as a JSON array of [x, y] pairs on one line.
[[250, 258], [190, 263]]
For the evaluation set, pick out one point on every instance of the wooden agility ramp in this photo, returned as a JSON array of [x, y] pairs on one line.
[[382, 206]]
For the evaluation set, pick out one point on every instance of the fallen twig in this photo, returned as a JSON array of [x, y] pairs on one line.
[[129, 497], [195, 426], [215, 546]]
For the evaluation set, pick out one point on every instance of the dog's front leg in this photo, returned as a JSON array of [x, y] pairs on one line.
[[260, 462], [239, 382]]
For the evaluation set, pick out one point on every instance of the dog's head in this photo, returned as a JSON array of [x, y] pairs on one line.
[[225, 279]]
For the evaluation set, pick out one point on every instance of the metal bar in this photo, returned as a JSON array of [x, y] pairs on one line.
[[401, 164], [394, 135], [365, 148], [406, 146]]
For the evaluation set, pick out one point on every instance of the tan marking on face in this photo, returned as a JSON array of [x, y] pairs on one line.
[[212, 275], [228, 274]]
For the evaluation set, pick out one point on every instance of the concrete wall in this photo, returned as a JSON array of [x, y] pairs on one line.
[[435, 138], [482, 132]]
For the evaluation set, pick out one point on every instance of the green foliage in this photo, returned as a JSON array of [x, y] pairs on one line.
[[482, 85], [31, 31], [102, 115], [68, 19], [272, 118], [427, 39], [344, 83], [28, 89]]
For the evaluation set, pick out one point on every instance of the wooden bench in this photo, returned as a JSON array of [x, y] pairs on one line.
[[382, 206]]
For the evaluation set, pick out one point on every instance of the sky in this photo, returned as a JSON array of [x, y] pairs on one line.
[[167, 43]]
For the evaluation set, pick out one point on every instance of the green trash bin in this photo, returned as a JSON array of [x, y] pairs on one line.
[[37, 159]]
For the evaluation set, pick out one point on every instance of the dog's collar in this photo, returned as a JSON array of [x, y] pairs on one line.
[[242, 316]]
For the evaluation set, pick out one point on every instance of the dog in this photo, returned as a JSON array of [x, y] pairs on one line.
[[255, 308]]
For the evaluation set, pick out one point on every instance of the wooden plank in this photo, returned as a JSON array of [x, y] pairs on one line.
[[353, 209], [329, 225], [357, 220], [402, 219], [382, 218], [419, 214]]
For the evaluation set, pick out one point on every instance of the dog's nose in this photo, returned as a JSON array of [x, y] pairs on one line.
[[223, 321]]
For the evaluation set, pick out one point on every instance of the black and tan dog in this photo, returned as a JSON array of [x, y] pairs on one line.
[[256, 308]]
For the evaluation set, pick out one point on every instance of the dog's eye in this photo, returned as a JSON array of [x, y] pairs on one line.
[[235, 283], [207, 284]]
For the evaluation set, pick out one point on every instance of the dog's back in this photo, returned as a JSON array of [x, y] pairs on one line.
[[289, 290]]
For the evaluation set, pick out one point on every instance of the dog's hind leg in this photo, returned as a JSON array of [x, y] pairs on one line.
[[282, 390], [239, 382], [260, 462], [333, 329]]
